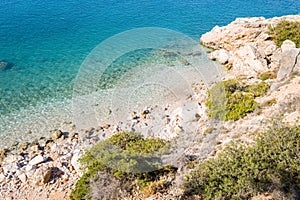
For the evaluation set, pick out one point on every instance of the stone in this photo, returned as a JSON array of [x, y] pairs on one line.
[[72, 135], [22, 177], [288, 62], [143, 116], [287, 45], [28, 168], [105, 126], [56, 134], [42, 175], [35, 148], [134, 115], [36, 160], [23, 146], [178, 129], [75, 163], [2, 177], [221, 55], [270, 50], [13, 158]]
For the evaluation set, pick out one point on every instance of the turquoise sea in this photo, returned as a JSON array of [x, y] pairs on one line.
[[45, 42]]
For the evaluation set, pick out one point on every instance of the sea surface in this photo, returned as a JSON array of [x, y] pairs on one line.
[[46, 42]]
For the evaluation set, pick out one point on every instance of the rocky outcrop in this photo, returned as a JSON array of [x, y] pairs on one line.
[[244, 46], [290, 60]]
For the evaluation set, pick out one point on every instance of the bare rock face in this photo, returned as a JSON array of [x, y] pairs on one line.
[[245, 47], [290, 59], [235, 34], [248, 61]]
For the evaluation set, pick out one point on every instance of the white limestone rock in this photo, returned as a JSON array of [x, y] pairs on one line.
[[36, 160], [287, 45]]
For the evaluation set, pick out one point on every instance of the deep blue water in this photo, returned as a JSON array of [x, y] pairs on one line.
[[46, 41]]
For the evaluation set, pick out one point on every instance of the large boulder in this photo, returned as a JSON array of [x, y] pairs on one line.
[[248, 61], [287, 45], [288, 63], [221, 55]]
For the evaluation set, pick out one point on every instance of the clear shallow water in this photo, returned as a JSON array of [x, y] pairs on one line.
[[48, 40]]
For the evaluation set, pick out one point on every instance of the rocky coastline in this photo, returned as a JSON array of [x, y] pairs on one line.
[[48, 168]]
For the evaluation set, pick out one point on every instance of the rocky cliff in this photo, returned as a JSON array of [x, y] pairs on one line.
[[245, 47]]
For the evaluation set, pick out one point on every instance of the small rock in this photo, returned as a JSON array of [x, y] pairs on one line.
[[42, 176], [72, 134], [35, 148], [2, 177], [143, 116], [270, 50], [197, 116], [75, 163], [146, 111], [22, 177], [23, 146], [28, 168], [13, 158], [9, 168], [178, 129], [3, 153], [37, 160], [105, 126], [57, 134], [134, 115], [167, 120]]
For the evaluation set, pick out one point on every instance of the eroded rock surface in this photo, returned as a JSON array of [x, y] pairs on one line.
[[245, 47]]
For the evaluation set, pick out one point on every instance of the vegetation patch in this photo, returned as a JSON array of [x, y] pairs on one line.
[[257, 89], [272, 164], [269, 102], [267, 75], [131, 159], [232, 100], [285, 30]]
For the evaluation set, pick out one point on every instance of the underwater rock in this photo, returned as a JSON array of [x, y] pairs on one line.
[[4, 65]]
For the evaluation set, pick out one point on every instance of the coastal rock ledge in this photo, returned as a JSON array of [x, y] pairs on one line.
[[245, 46]]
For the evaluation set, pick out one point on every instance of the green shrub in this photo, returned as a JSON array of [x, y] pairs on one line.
[[257, 89], [232, 100], [286, 30], [241, 172], [267, 75], [239, 104], [127, 156]]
